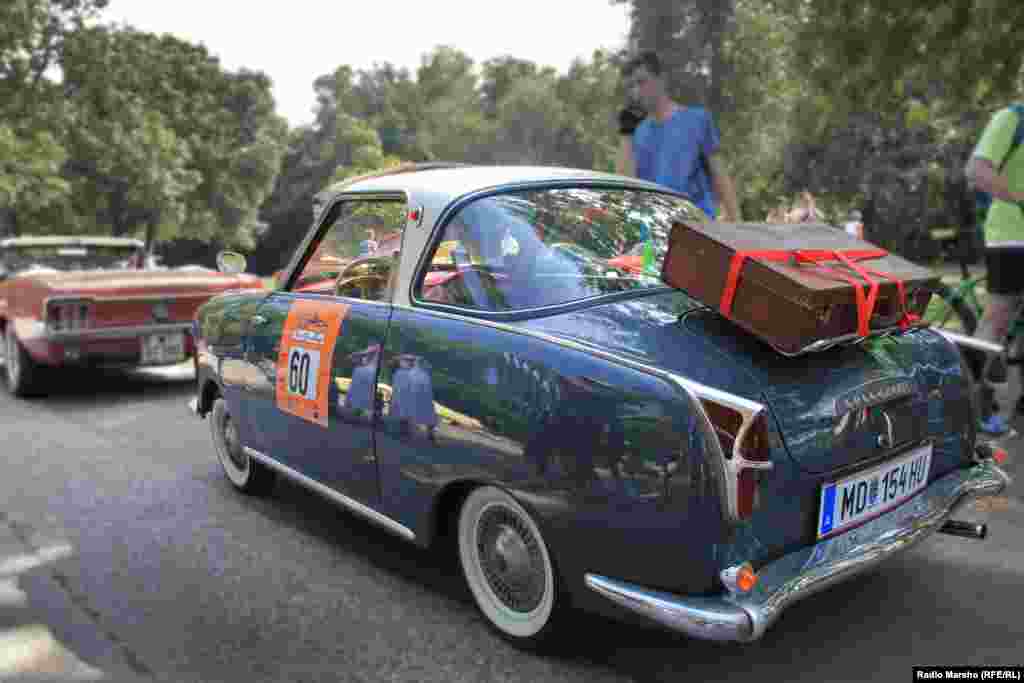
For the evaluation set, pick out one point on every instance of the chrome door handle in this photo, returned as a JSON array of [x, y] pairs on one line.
[[260, 320]]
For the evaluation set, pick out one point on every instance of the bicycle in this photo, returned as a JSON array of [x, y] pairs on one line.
[[959, 308]]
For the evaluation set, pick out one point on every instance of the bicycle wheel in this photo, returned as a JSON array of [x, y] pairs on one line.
[[948, 310]]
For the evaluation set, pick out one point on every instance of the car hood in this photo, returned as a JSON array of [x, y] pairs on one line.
[[808, 395], [112, 283]]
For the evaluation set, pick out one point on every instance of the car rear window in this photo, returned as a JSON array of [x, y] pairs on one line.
[[539, 248]]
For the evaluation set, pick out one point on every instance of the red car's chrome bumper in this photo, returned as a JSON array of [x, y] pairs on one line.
[[100, 346], [745, 617]]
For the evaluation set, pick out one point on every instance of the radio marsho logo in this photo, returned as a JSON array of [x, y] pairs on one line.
[[873, 394]]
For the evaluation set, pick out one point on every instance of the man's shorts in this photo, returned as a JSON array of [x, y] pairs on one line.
[[1004, 262]]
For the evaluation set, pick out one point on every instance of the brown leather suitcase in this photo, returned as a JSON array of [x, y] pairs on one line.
[[800, 287]]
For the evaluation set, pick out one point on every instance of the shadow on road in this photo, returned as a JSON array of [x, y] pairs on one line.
[[312, 515], [903, 612], [79, 385]]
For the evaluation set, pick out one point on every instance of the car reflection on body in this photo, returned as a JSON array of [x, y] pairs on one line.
[[588, 437]]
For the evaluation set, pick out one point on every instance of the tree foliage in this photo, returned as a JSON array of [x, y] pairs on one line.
[[32, 112], [165, 139], [871, 104]]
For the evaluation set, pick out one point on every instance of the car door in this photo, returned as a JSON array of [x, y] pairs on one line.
[[315, 346]]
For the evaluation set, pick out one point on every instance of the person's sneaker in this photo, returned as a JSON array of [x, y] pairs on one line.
[[995, 425]]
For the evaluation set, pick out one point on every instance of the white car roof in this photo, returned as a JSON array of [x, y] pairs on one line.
[[433, 187]]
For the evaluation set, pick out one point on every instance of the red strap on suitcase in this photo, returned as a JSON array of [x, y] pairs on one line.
[[819, 258]]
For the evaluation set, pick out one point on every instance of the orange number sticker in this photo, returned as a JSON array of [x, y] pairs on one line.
[[304, 363]]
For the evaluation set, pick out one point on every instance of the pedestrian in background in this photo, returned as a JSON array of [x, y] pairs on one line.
[[997, 167], [805, 210], [674, 145], [854, 226]]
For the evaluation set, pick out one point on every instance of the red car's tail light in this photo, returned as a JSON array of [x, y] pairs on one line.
[[743, 438], [64, 315]]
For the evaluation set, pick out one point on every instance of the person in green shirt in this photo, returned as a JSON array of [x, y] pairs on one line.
[[997, 166]]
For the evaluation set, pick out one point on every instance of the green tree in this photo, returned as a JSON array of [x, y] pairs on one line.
[[452, 122], [876, 56], [690, 37], [164, 141], [893, 97], [592, 93], [32, 115]]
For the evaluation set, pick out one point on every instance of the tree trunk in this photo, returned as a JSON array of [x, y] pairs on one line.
[[117, 219], [151, 226], [8, 223], [717, 16]]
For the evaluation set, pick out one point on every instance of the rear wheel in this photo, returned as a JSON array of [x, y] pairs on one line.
[[242, 470], [21, 373], [508, 569]]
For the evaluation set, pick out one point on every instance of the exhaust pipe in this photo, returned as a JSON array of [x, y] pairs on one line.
[[955, 527]]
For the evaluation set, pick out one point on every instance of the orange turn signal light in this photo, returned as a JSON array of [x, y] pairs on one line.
[[739, 579], [746, 578]]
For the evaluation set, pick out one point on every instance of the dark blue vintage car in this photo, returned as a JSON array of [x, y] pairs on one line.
[[584, 435]]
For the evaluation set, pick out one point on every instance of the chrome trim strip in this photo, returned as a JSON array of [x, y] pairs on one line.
[[971, 342], [116, 332], [66, 298], [728, 467], [329, 493], [155, 297], [427, 305], [846, 339], [744, 618]]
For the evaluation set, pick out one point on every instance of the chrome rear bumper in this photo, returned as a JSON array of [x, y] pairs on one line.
[[743, 618], [973, 343]]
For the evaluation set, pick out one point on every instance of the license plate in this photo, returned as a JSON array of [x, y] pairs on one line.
[[163, 349], [859, 497]]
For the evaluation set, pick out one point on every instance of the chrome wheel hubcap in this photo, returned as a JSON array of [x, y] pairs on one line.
[[511, 560], [228, 445], [233, 445]]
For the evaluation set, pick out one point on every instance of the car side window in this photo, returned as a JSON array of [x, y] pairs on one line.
[[356, 255]]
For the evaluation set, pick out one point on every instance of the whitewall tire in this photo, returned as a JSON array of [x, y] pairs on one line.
[[508, 568], [244, 472]]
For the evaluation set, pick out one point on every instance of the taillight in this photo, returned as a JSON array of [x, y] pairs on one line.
[[743, 438], [68, 316]]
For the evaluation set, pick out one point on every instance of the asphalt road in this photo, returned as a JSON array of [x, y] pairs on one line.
[[130, 557]]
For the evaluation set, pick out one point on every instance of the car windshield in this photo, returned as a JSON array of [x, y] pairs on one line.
[[546, 247], [69, 257]]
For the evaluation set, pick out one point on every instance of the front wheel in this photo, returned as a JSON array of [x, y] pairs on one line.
[[242, 470], [508, 569]]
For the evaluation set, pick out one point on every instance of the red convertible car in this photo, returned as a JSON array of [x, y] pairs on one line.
[[90, 301]]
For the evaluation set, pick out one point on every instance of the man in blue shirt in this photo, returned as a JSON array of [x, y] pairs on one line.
[[675, 146]]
